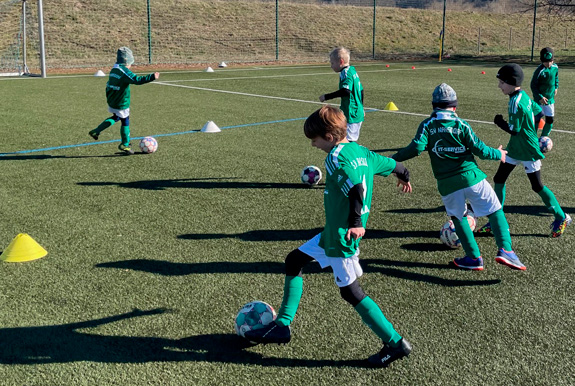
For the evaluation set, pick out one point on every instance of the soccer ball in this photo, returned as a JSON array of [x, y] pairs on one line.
[[311, 175], [254, 315], [447, 233], [545, 144], [148, 145], [448, 236]]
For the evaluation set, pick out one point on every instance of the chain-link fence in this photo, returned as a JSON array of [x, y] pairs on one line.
[[86, 33]]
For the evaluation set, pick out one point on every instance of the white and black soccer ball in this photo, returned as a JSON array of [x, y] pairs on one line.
[[448, 236], [311, 175], [148, 145], [252, 316], [545, 144]]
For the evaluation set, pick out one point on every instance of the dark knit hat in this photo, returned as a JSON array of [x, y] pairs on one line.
[[547, 54], [511, 74], [124, 56], [444, 96]]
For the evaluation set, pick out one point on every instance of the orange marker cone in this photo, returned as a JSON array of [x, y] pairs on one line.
[[23, 248]]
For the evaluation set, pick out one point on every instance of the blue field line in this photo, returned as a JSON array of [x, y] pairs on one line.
[[137, 138]]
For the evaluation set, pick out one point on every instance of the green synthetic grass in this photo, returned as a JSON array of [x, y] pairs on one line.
[[151, 256]]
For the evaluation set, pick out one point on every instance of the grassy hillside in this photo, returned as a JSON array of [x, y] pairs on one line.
[[87, 33]]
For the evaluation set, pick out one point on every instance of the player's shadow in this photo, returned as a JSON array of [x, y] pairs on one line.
[[381, 266], [395, 149], [72, 342], [198, 183], [306, 234]]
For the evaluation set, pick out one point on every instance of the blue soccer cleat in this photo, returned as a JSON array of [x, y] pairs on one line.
[[510, 259], [467, 262]]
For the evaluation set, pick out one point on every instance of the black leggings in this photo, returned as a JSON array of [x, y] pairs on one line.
[[505, 170], [296, 260]]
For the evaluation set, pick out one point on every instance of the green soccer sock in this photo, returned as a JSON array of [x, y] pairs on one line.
[[546, 129], [125, 133], [466, 237], [500, 229], [293, 289], [103, 126], [551, 203], [372, 315], [500, 192]]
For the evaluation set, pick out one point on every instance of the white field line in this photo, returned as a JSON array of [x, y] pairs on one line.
[[320, 103]]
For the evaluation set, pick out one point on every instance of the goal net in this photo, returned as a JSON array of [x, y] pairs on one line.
[[19, 47]]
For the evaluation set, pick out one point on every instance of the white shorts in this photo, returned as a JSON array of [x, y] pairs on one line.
[[530, 166], [548, 110], [481, 196], [121, 113], [346, 270], [353, 131]]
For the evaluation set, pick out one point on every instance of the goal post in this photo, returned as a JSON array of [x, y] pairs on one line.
[[22, 38]]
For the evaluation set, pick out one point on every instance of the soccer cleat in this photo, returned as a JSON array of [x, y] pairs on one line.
[[126, 149], [558, 226], [272, 333], [485, 229], [94, 135], [467, 262], [389, 354], [510, 259]]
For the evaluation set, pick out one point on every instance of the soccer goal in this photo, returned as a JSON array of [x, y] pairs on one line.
[[21, 38]]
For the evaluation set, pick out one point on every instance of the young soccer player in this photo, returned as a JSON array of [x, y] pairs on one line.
[[118, 96], [350, 91], [452, 144], [347, 201], [523, 146], [544, 85]]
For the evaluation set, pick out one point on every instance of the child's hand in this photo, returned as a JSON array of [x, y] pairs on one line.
[[322, 98], [354, 233], [543, 101], [405, 186], [156, 75], [503, 153]]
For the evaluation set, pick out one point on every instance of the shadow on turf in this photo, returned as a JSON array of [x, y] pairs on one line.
[[381, 266], [200, 183], [48, 156], [536, 210], [64, 343]]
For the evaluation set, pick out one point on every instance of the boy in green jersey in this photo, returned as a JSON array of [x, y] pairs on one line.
[[544, 85], [118, 96], [347, 201], [452, 144], [523, 146], [350, 91]]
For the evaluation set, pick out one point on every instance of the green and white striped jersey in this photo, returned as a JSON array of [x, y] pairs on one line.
[[347, 165], [451, 144], [544, 83], [118, 86], [523, 146], [352, 105]]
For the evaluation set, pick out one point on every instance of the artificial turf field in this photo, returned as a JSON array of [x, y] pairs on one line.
[[151, 256]]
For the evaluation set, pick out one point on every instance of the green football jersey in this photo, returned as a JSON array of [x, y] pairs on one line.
[[451, 144], [118, 86], [347, 165], [524, 146], [544, 83], [352, 105]]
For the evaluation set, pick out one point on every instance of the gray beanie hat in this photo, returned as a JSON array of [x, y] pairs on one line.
[[124, 56], [444, 96]]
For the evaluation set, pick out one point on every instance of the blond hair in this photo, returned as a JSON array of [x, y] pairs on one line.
[[327, 120], [340, 53]]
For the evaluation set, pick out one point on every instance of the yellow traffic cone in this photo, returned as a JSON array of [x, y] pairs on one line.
[[23, 248], [391, 106]]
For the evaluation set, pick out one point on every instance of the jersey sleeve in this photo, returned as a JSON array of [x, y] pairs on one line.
[[478, 147], [416, 147], [138, 80], [346, 81], [382, 166], [535, 84]]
